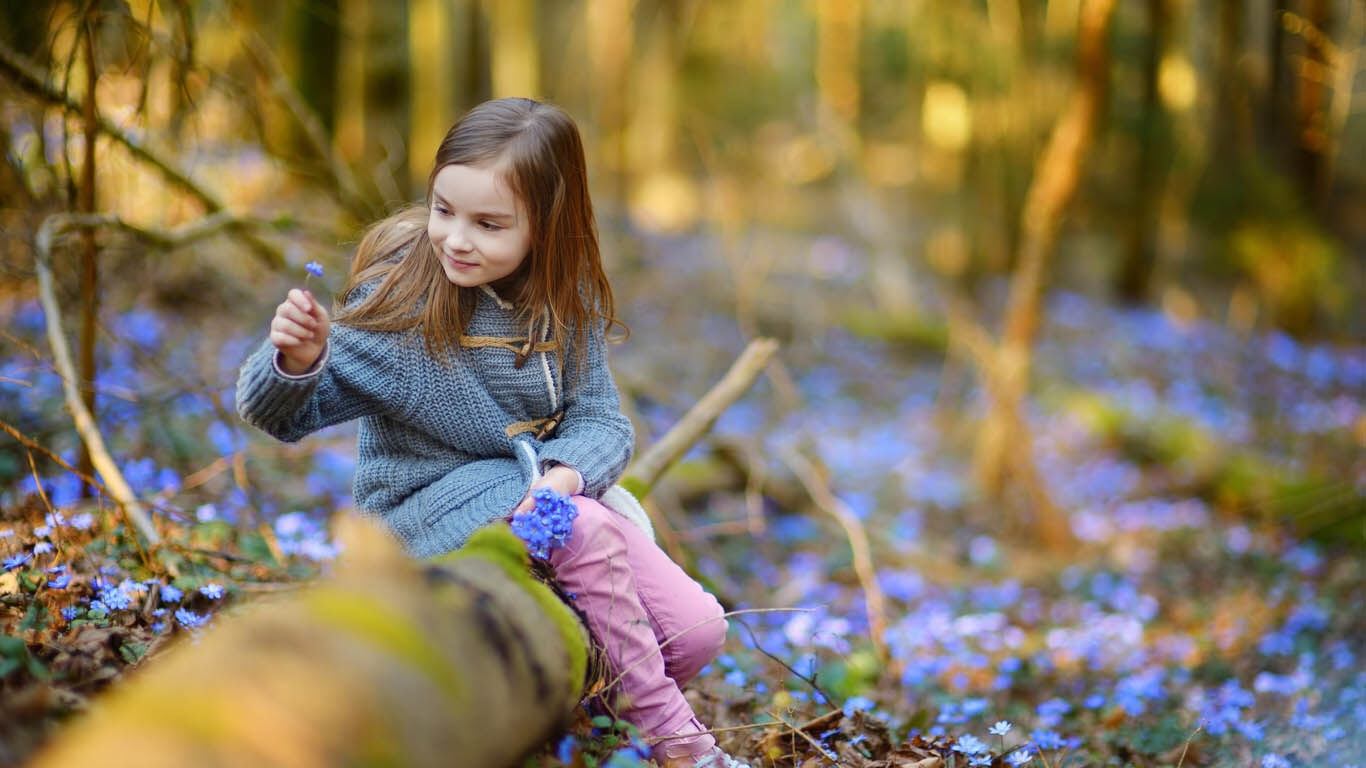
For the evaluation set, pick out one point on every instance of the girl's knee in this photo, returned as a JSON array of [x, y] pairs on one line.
[[698, 646]]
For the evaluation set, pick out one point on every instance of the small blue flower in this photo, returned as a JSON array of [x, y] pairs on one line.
[[212, 590], [96, 605], [1001, 728], [83, 522], [858, 704], [546, 525], [314, 268], [170, 594], [5, 533], [17, 560], [1019, 758], [1045, 739], [973, 707], [70, 612], [42, 548], [565, 751], [189, 619], [1273, 760], [61, 582], [159, 627], [970, 745]]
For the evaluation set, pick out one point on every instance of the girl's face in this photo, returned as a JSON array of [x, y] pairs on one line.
[[479, 229]]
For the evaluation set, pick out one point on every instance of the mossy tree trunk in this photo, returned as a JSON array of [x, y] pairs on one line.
[[464, 660]]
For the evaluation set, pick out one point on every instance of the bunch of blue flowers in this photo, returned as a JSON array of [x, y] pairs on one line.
[[546, 525]]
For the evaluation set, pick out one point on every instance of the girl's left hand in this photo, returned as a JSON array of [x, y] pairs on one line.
[[559, 478]]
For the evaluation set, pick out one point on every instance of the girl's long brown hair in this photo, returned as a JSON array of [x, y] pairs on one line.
[[539, 148]]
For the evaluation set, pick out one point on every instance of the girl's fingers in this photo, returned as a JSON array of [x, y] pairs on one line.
[[289, 327], [301, 300]]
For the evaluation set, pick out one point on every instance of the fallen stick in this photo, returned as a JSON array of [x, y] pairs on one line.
[[815, 485], [646, 470]]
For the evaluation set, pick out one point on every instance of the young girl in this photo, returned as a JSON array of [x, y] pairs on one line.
[[470, 344]]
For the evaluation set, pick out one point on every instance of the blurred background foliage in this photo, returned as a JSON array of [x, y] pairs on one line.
[[1227, 178]]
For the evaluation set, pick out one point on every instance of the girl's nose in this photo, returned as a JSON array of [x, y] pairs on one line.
[[457, 238]]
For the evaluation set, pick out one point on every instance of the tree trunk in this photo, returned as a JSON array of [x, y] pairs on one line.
[[86, 204], [372, 111], [462, 660], [1311, 102], [431, 65], [1004, 440], [1135, 278], [515, 54]]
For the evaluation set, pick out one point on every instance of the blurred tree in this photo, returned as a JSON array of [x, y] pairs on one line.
[[839, 28], [1314, 30], [315, 33], [1003, 444], [662, 196], [610, 29], [1134, 283], [372, 109], [432, 69], [515, 52], [88, 23]]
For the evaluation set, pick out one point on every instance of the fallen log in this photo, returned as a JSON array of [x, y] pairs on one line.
[[462, 660]]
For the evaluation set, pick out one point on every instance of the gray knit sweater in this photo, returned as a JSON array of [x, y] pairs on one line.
[[436, 460]]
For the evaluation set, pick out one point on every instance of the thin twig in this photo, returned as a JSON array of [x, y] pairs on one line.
[[821, 748], [811, 681], [93, 482], [646, 470], [814, 482], [85, 423], [1187, 746]]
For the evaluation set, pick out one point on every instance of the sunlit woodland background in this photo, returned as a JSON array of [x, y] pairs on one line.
[[1067, 428]]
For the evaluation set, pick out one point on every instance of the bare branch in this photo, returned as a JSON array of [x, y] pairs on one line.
[[31, 79], [85, 423]]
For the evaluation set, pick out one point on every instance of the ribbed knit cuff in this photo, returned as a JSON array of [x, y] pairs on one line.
[[270, 399], [600, 461], [312, 370]]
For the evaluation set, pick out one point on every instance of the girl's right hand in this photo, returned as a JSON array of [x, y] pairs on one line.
[[299, 330]]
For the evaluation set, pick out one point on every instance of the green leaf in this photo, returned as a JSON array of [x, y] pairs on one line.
[[37, 612], [12, 647], [133, 652], [602, 721]]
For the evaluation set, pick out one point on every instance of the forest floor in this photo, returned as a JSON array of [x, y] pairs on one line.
[[1206, 614]]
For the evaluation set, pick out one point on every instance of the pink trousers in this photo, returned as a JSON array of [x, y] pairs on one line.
[[636, 600]]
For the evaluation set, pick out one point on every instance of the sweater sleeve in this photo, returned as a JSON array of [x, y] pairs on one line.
[[594, 437], [355, 378]]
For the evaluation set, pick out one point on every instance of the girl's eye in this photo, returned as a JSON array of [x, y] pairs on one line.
[[441, 209], [490, 226]]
